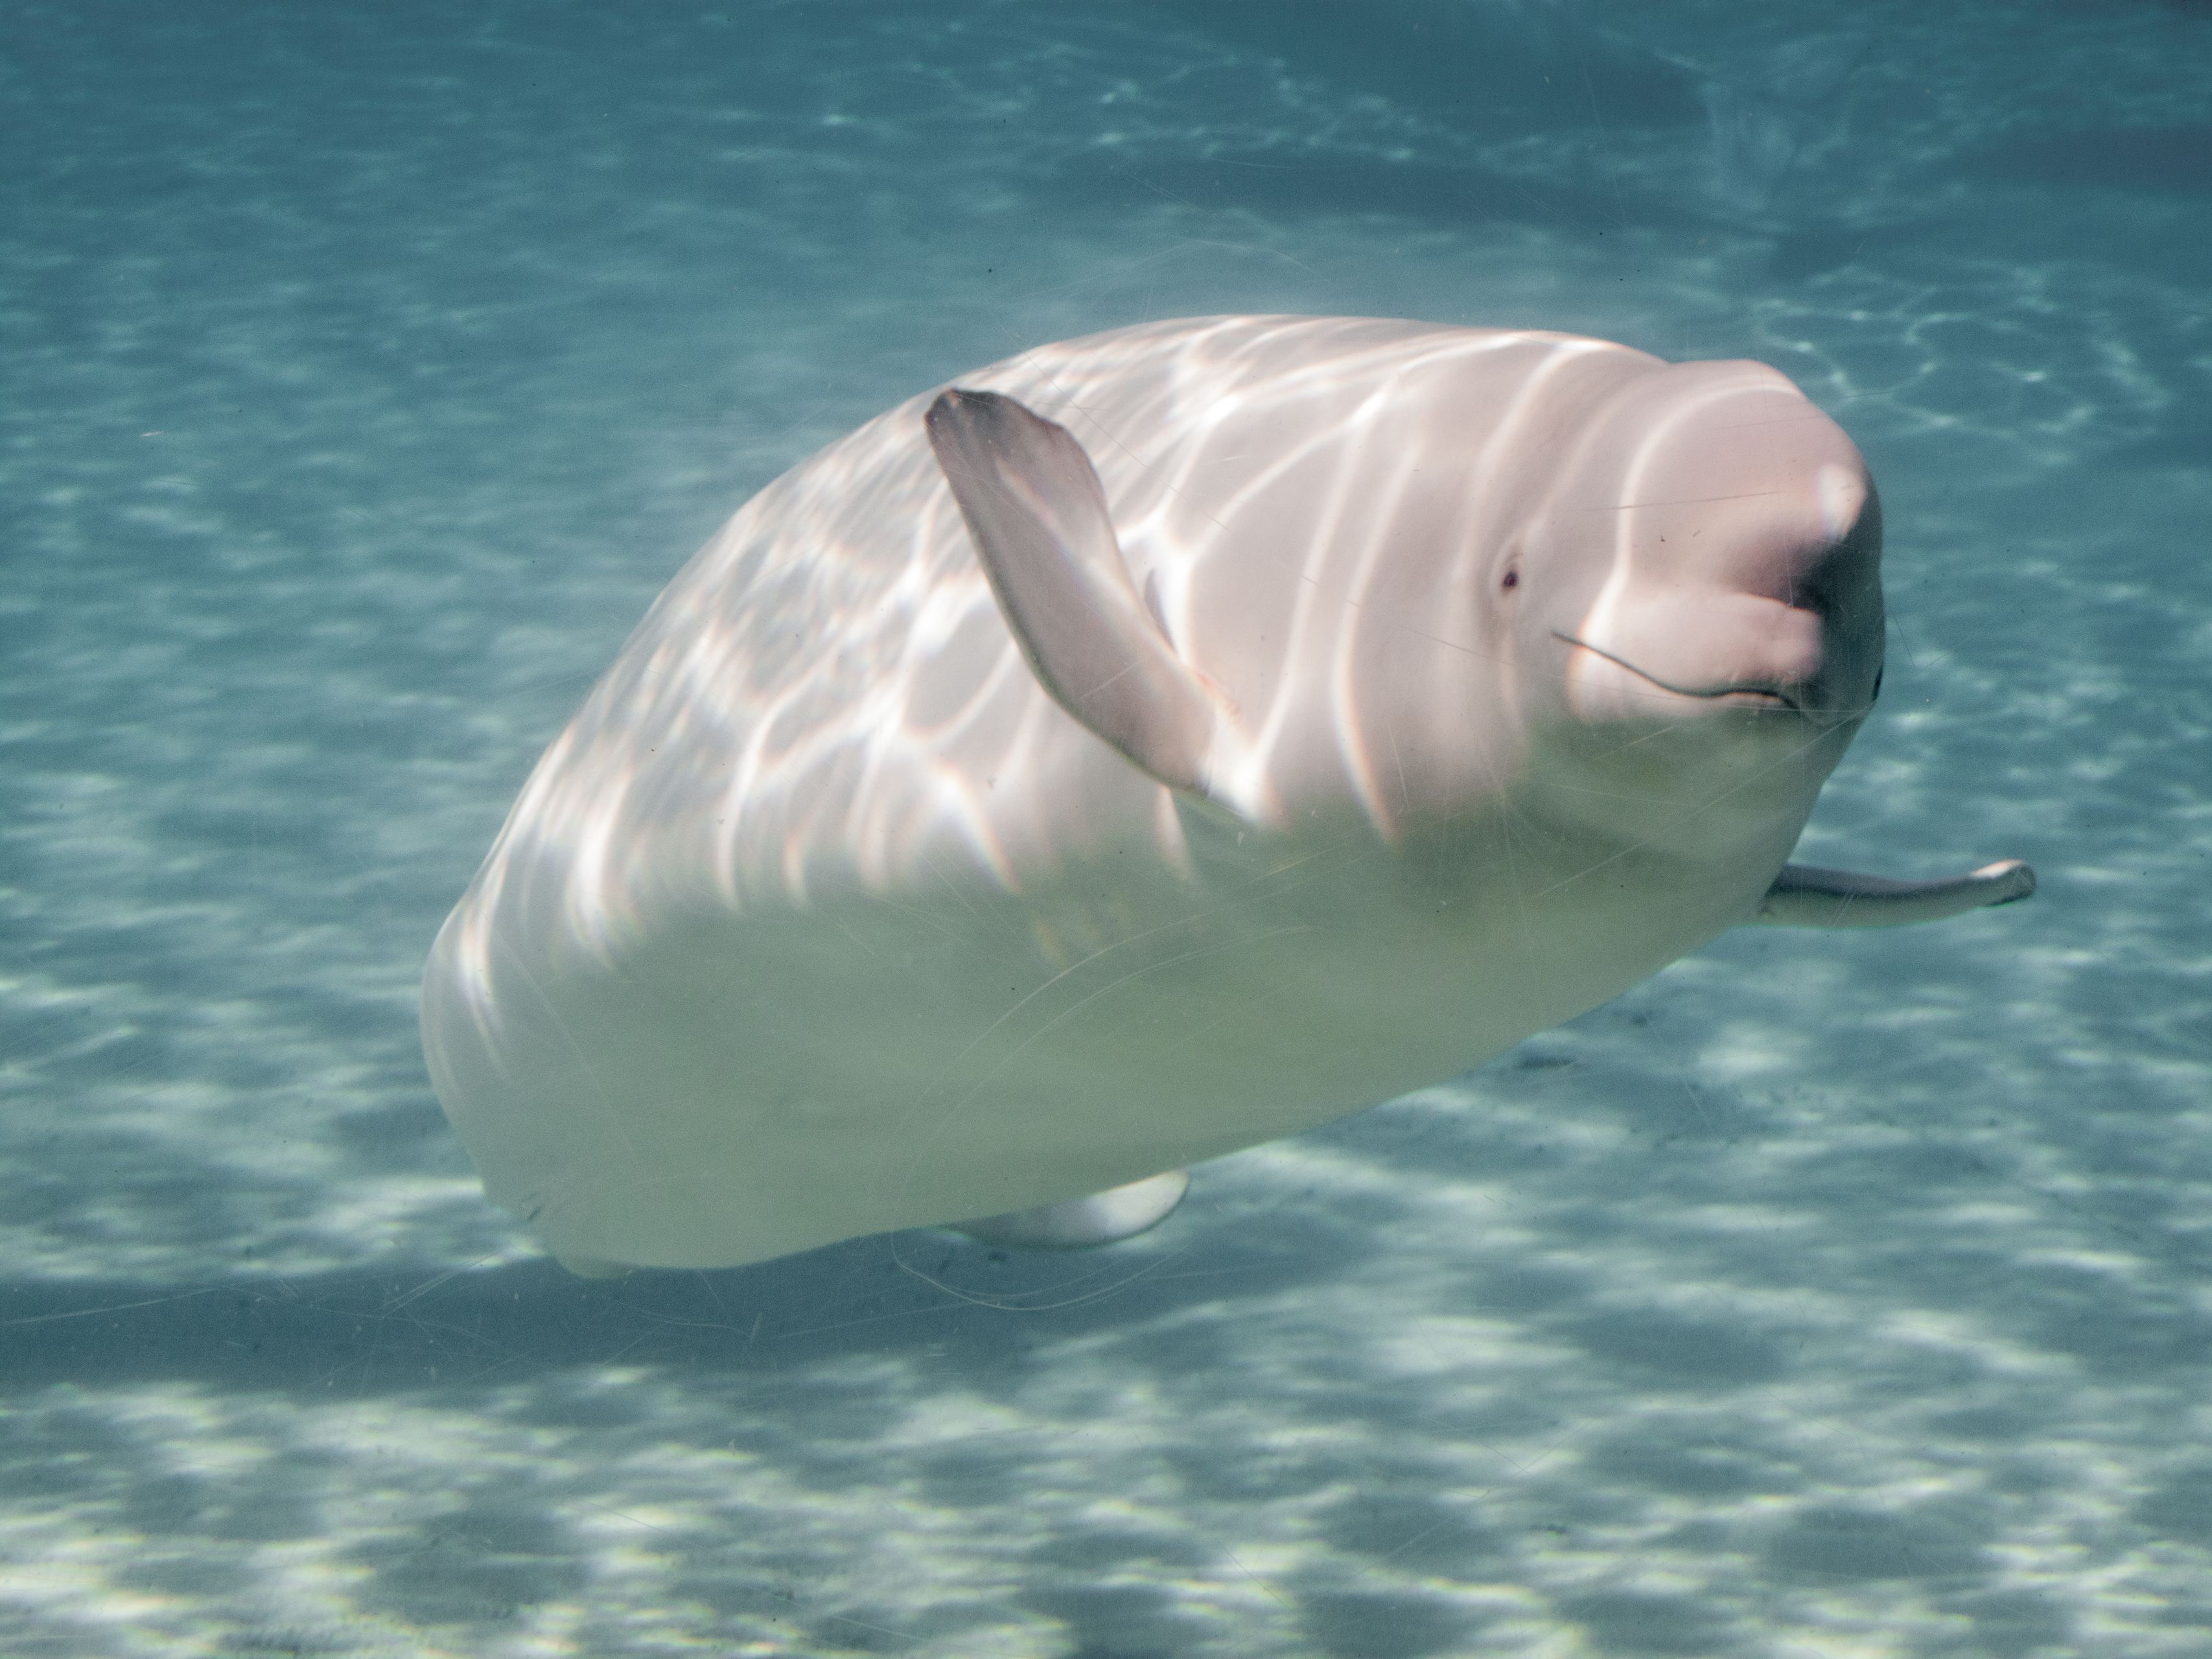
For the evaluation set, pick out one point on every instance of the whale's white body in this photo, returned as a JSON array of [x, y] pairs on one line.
[[824, 916]]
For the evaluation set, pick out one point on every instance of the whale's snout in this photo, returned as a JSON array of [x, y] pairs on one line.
[[1733, 541]]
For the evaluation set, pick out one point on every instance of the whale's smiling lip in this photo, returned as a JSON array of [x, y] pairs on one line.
[[1743, 696]]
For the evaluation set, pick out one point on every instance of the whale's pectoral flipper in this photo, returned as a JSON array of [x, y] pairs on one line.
[[1804, 897], [1118, 1213], [592, 1266], [1037, 513]]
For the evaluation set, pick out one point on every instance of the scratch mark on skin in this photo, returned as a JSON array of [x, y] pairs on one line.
[[919, 915], [1676, 501], [607, 1113], [1774, 419]]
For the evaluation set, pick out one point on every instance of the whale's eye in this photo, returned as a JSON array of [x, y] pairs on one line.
[[1512, 578]]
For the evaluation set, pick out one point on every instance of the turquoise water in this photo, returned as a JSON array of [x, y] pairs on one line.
[[369, 369]]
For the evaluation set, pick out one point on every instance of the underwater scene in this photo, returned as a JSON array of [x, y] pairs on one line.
[[1290, 752]]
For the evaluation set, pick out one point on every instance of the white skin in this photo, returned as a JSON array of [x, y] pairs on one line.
[[1483, 675]]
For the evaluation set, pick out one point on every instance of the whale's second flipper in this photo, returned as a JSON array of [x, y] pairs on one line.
[[1804, 897], [1104, 1217]]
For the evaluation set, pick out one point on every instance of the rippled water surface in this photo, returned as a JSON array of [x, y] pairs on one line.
[[370, 367]]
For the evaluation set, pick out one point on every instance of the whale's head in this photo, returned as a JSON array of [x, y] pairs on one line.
[[1696, 610]]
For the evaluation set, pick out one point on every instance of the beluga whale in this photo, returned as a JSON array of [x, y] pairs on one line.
[[1148, 746]]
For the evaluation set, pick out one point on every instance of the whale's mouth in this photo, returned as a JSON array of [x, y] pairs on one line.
[[1745, 694]]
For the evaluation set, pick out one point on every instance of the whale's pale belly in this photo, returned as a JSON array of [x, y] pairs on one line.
[[735, 1087]]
